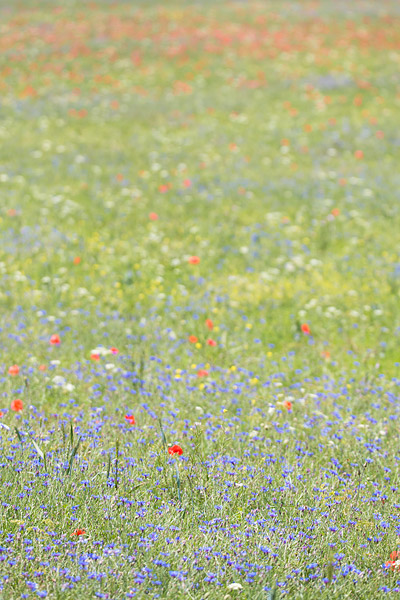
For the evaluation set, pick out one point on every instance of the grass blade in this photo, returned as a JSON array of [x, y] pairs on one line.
[[273, 594], [164, 439], [73, 453], [108, 467], [19, 435], [40, 453], [116, 464], [38, 450], [71, 434], [178, 482]]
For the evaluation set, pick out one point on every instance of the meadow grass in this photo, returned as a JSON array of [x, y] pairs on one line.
[[199, 247]]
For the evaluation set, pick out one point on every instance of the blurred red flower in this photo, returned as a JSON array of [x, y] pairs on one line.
[[55, 340], [13, 370], [211, 342], [130, 419], [194, 260], [175, 449], [202, 373], [306, 329], [209, 324], [193, 339], [394, 562], [17, 405], [79, 532]]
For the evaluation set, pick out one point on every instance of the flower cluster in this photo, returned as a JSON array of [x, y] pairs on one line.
[[199, 337]]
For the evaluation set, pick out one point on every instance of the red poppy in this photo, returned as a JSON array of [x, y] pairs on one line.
[[1, 414], [17, 405], [42, 367], [187, 183], [209, 324], [193, 339], [28, 91], [194, 260], [95, 356], [394, 559], [79, 532], [175, 449], [114, 350], [335, 212], [153, 216], [130, 419], [77, 260], [13, 370], [306, 329], [211, 342], [359, 154], [163, 188], [202, 373], [287, 404], [55, 340]]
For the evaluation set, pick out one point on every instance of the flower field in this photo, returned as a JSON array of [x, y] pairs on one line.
[[200, 291]]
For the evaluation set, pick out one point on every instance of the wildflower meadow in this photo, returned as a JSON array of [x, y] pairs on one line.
[[200, 299]]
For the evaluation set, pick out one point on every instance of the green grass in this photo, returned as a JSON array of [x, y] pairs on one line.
[[264, 135]]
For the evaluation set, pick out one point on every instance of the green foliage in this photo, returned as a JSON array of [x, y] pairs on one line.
[[262, 138]]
